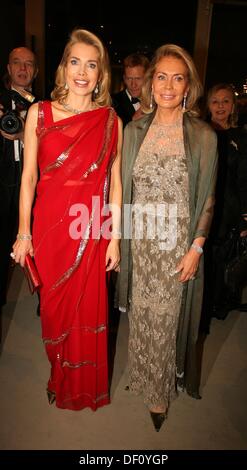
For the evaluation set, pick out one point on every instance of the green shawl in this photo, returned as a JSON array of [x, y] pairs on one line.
[[200, 143]]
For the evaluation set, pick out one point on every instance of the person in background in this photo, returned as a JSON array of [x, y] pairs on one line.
[[127, 101], [231, 202], [75, 140], [21, 71], [222, 107], [169, 173]]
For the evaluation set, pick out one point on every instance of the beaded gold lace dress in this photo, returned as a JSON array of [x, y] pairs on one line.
[[159, 240]]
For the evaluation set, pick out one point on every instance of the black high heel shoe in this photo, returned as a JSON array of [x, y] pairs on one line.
[[158, 419], [51, 396]]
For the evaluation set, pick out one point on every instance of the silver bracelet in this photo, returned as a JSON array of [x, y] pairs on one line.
[[116, 233], [24, 236], [197, 248]]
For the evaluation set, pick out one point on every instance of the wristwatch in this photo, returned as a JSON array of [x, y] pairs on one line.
[[198, 248]]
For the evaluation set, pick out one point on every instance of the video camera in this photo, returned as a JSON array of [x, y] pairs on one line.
[[11, 122]]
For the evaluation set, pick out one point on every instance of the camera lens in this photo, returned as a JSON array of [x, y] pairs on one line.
[[11, 123]]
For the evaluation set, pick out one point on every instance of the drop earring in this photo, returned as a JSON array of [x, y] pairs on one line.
[[66, 86], [151, 99], [184, 103], [95, 92]]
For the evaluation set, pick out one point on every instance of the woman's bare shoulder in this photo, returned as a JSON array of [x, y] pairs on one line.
[[33, 111]]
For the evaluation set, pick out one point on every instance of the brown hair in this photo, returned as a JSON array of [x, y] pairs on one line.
[[195, 86], [83, 36], [135, 60]]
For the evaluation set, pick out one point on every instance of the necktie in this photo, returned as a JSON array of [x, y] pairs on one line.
[[134, 100]]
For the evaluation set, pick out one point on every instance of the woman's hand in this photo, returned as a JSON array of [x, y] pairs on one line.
[[188, 265], [112, 259], [20, 249]]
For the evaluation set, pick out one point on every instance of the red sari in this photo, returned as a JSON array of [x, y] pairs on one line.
[[75, 157]]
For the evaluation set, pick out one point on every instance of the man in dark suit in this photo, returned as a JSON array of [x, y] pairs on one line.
[[22, 70], [126, 102]]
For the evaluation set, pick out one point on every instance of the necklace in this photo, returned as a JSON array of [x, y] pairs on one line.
[[73, 110]]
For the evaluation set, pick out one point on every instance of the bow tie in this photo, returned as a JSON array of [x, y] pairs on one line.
[[134, 100]]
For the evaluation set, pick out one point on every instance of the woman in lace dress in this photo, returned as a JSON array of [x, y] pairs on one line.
[[169, 170]]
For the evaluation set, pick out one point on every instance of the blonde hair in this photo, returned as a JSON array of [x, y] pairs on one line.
[[195, 86], [233, 117], [86, 37]]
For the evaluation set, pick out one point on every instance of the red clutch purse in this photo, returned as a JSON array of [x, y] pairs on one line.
[[31, 274]]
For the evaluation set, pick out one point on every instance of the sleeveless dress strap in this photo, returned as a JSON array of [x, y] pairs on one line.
[[45, 118]]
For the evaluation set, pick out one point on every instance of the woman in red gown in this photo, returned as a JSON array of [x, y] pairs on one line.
[[75, 142]]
